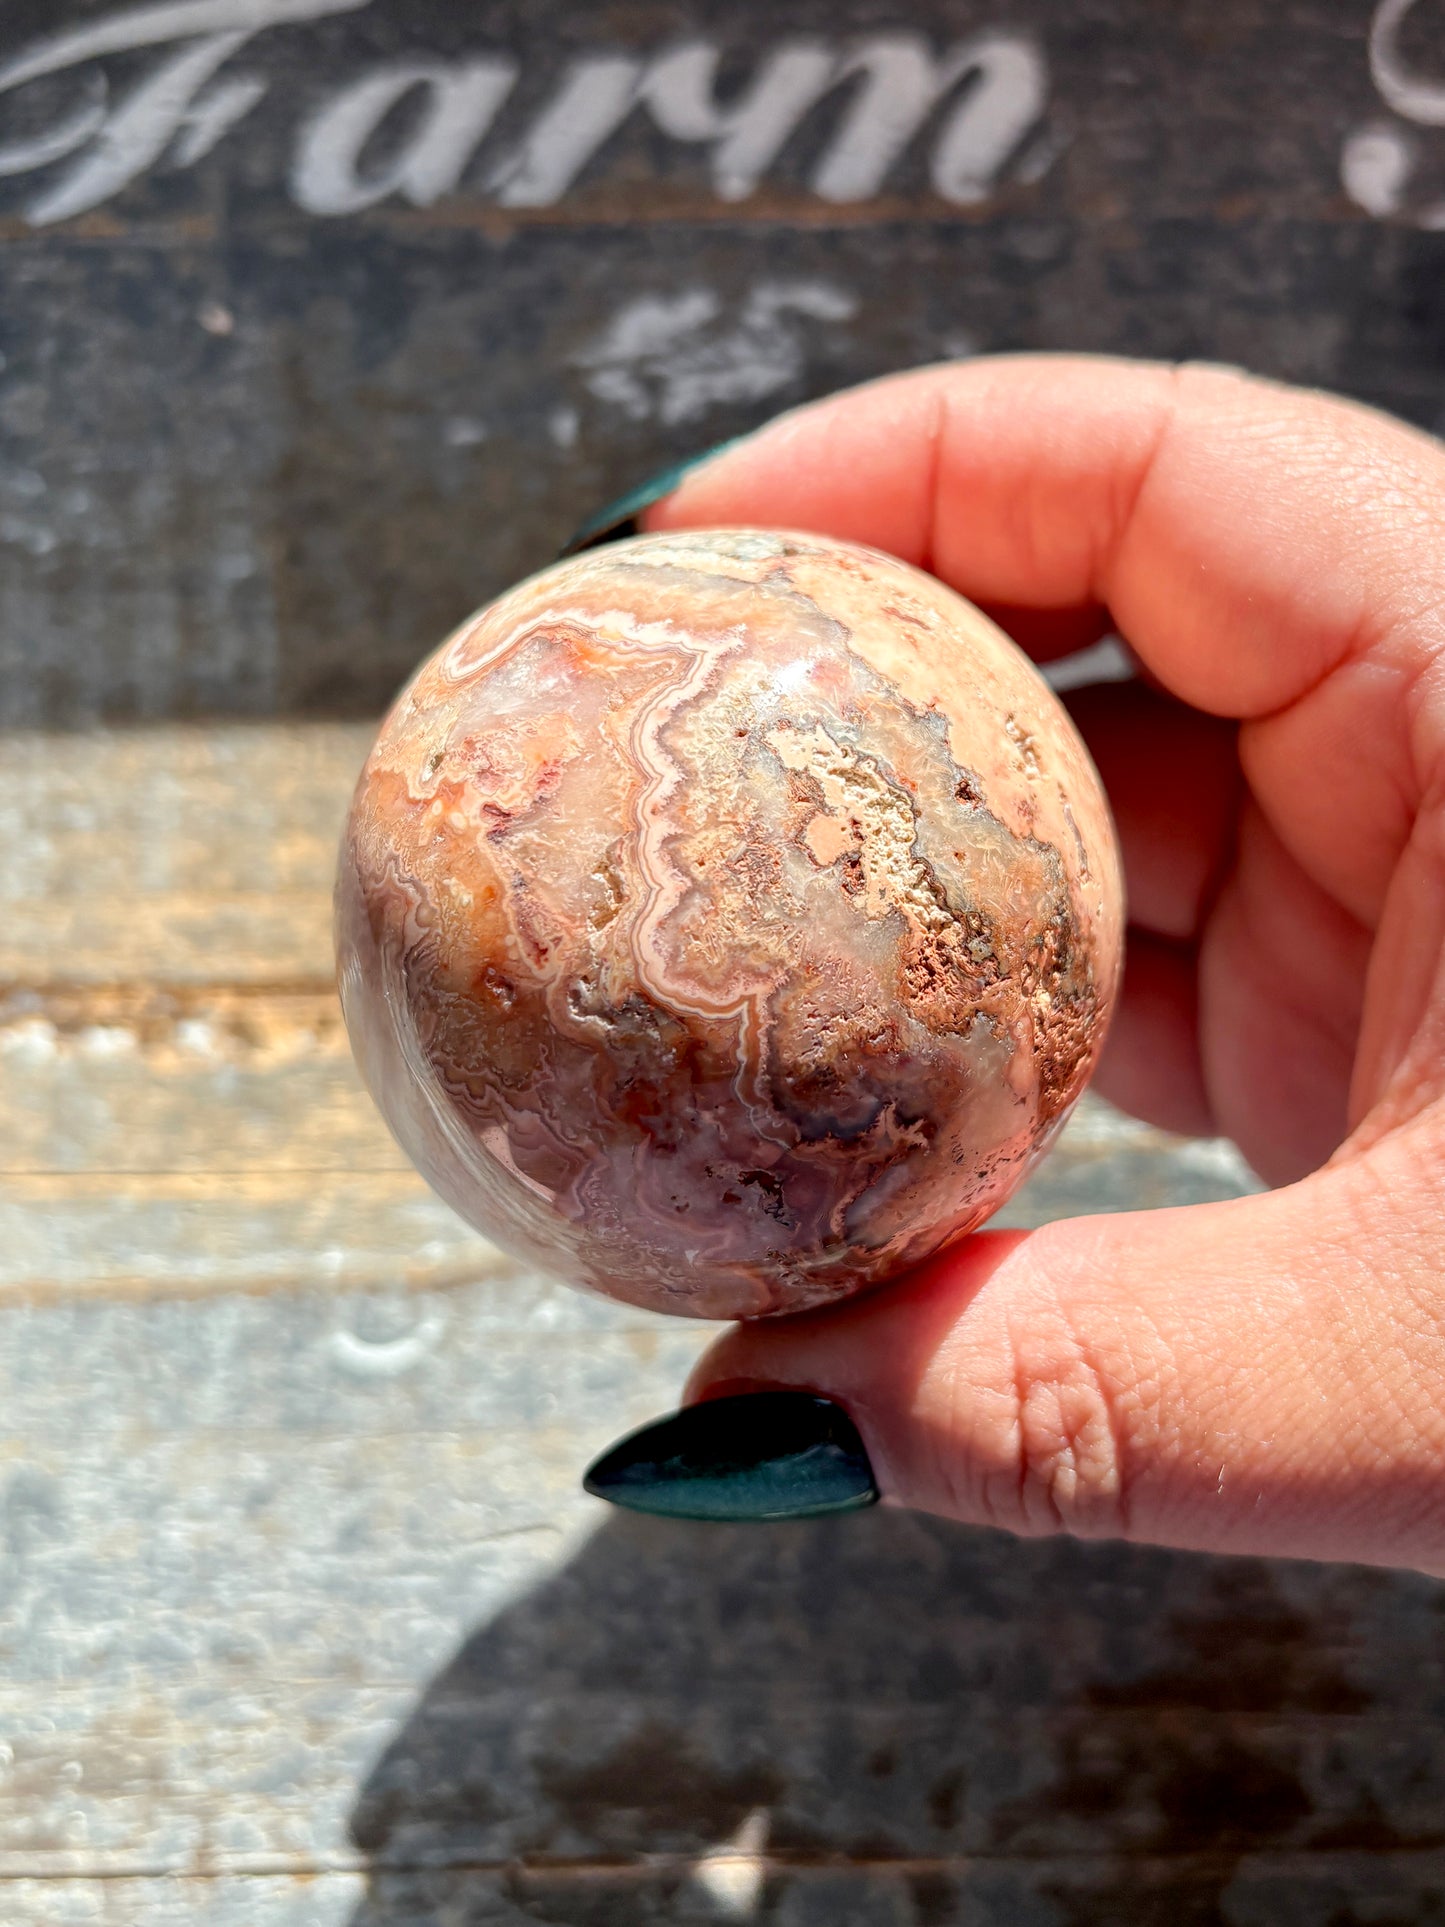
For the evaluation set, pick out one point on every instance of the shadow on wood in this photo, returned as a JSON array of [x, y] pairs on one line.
[[890, 1720]]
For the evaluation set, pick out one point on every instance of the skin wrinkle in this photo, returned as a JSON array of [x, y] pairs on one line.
[[1023, 531], [1161, 1077], [1024, 1484], [1081, 1427], [934, 444], [1422, 701], [1129, 1368], [1099, 1446], [1267, 760], [1336, 1028], [1149, 1434], [1063, 1412], [1126, 512], [1391, 1085], [1035, 1481], [1166, 914], [1286, 965], [1217, 876], [968, 1489], [1215, 873]]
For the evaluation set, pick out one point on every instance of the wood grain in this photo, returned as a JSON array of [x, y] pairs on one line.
[[304, 1621], [258, 457], [179, 1106], [304, 1618]]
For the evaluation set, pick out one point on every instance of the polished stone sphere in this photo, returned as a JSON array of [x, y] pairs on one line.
[[727, 920]]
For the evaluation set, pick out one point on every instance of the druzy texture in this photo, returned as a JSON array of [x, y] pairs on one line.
[[726, 920]]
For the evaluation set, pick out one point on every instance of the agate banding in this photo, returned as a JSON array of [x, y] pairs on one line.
[[726, 920]]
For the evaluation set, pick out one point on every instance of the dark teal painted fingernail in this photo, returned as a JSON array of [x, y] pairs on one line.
[[761, 1455], [620, 517]]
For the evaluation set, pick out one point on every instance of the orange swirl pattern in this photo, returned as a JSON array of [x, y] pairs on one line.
[[726, 920]]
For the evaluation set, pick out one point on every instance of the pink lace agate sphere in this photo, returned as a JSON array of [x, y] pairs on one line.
[[726, 920]]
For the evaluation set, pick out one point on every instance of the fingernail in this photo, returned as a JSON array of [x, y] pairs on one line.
[[620, 517], [760, 1455]]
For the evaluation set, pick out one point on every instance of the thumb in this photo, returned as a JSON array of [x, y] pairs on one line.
[[1265, 1375]]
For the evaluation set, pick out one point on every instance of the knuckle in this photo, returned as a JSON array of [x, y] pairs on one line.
[[1065, 1452]]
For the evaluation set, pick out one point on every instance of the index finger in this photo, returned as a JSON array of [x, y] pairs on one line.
[[1247, 537]]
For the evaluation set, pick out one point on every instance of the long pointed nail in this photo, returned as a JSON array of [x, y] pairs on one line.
[[621, 517], [760, 1455]]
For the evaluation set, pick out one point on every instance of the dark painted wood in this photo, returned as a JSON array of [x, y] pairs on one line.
[[257, 456]]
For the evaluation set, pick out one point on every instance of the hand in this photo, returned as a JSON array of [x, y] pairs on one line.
[[1265, 1375]]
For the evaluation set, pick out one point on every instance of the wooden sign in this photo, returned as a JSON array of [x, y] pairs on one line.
[[323, 320]]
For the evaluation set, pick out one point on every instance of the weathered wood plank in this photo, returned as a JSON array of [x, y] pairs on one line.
[[1399, 1890], [223, 1226], [159, 858], [304, 1616], [264, 1553], [219, 1082], [217, 1231], [179, 1782], [263, 937], [179, 1110], [1281, 1891], [166, 813], [282, 1900]]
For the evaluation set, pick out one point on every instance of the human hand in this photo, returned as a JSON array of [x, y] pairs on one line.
[[1265, 1375]]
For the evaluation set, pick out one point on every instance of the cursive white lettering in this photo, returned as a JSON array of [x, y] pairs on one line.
[[134, 135], [991, 88], [1007, 98], [1414, 99], [680, 91], [903, 83], [137, 133], [462, 102], [595, 97]]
